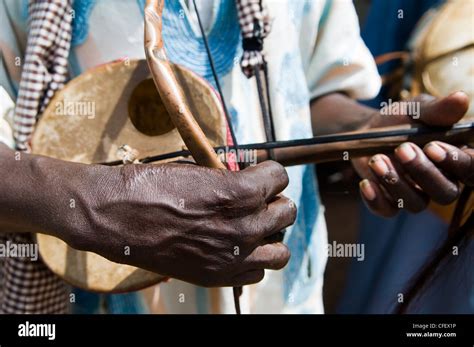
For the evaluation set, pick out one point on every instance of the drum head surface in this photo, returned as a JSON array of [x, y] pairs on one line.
[[445, 51], [88, 121]]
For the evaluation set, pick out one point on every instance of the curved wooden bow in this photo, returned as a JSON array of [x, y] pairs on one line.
[[171, 93], [173, 98]]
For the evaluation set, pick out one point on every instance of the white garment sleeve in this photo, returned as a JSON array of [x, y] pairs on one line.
[[12, 39], [6, 112], [337, 59]]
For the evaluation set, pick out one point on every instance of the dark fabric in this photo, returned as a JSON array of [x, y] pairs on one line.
[[384, 32]]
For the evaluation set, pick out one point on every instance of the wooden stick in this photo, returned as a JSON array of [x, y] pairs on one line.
[[170, 91], [346, 150]]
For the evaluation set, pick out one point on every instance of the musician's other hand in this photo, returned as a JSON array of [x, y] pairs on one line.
[[456, 162], [412, 177], [204, 226]]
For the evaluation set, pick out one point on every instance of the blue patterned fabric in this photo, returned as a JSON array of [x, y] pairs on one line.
[[93, 303], [298, 285], [185, 46], [292, 85], [80, 23]]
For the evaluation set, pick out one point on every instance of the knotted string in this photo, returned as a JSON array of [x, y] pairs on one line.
[[255, 25]]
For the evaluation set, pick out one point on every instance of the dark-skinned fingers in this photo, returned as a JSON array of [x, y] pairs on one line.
[[269, 178], [404, 194], [273, 256], [246, 278], [278, 215], [425, 174], [454, 161], [376, 200], [443, 111]]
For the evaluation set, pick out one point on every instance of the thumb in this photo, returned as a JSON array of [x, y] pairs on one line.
[[443, 111]]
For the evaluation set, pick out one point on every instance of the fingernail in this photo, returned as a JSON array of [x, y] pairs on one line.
[[435, 152], [367, 190], [379, 166], [459, 93], [405, 153]]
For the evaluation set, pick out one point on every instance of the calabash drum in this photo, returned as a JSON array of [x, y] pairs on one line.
[[443, 47], [89, 121]]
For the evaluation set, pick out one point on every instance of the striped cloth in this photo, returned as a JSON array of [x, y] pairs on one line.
[[45, 67], [29, 286], [255, 25]]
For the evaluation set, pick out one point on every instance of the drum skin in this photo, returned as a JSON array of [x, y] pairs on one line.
[[444, 52], [88, 121]]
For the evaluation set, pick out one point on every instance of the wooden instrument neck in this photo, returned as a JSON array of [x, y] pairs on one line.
[[170, 91]]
